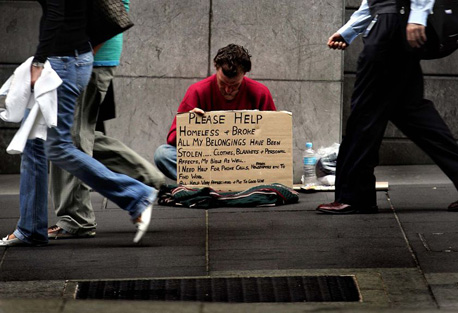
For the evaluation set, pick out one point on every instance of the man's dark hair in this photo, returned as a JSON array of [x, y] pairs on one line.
[[233, 58]]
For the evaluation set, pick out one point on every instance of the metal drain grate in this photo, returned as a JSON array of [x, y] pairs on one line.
[[236, 289]]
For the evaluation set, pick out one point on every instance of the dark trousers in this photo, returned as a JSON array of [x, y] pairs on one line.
[[388, 87]]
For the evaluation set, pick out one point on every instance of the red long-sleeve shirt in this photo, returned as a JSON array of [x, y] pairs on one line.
[[205, 95]]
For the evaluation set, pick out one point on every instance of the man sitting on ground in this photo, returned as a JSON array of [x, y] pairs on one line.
[[228, 89]]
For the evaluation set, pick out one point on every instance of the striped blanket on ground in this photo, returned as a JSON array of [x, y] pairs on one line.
[[206, 197]]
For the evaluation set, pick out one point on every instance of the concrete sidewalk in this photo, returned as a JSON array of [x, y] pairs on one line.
[[404, 259]]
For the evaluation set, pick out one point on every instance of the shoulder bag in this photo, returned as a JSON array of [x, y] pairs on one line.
[[107, 18]]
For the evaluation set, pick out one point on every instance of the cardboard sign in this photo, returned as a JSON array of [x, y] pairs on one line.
[[234, 150]]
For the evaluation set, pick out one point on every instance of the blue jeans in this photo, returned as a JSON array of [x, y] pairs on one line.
[[32, 226], [127, 193], [165, 158]]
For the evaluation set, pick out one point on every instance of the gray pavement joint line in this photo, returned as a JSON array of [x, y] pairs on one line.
[[104, 203], [62, 306], [210, 22], [3, 258], [423, 241], [258, 210], [412, 252], [207, 253], [70, 289], [385, 288]]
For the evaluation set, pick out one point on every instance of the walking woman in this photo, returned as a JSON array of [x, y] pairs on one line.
[[64, 45]]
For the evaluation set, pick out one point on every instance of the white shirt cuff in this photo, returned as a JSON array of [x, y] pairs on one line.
[[348, 34], [418, 17]]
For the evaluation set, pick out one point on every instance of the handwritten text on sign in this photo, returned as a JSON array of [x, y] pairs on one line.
[[234, 150]]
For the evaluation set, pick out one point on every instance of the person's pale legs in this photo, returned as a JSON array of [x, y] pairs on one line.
[[121, 159]]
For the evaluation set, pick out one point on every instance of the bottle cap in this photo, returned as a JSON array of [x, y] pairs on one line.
[[308, 145]]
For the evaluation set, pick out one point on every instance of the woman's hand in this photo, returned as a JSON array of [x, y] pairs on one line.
[[35, 72]]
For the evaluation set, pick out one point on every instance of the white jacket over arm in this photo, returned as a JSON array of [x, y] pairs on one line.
[[42, 102]]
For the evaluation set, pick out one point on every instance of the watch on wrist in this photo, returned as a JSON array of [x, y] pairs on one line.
[[38, 64]]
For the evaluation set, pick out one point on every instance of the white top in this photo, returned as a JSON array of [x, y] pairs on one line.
[[360, 19]]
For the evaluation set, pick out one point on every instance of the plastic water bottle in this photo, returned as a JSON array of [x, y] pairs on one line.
[[309, 176]]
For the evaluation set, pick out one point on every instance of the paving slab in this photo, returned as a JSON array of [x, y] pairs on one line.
[[396, 288], [31, 305], [174, 247], [137, 306], [429, 227], [45, 289], [404, 258], [445, 288], [411, 175], [9, 185], [9, 207], [301, 239]]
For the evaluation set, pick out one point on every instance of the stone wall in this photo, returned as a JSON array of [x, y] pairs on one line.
[[174, 42], [19, 33], [172, 46]]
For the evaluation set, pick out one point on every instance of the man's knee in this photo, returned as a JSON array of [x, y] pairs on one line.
[[163, 154], [165, 159]]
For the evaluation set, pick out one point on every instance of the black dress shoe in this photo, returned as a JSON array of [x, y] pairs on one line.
[[453, 207], [342, 208]]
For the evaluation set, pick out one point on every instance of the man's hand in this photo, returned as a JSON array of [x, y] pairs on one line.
[[336, 41], [198, 111], [416, 35], [35, 73]]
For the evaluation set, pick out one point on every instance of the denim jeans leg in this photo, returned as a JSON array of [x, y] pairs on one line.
[[165, 158], [33, 196], [126, 192]]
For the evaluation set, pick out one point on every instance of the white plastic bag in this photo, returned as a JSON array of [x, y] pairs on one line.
[[326, 165]]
